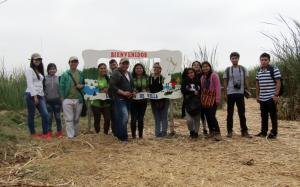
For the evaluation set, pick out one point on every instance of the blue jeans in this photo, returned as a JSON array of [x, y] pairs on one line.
[[42, 108], [54, 109], [121, 115], [160, 113]]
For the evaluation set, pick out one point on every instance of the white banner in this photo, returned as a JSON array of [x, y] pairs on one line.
[[92, 92]]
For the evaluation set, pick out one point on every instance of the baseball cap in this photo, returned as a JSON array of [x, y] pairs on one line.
[[73, 58], [124, 60], [35, 56]]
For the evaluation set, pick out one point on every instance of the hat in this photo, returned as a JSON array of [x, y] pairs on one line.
[[73, 58], [35, 56], [124, 60]]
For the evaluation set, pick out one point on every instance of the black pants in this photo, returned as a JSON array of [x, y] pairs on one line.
[[240, 103], [210, 115], [138, 109], [97, 117], [266, 108]]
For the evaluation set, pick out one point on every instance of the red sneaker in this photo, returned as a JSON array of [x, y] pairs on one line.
[[49, 134], [36, 136], [59, 134], [46, 136]]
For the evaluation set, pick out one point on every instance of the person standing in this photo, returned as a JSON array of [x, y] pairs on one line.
[[121, 89], [196, 65], [113, 65], [159, 107], [53, 99], [138, 107], [34, 96], [190, 88], [210, 83], [235, 82], [268, 86], [71, 84], [102, 106]]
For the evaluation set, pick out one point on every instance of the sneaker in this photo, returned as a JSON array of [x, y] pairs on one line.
[[59, 134], [192, 133], [218, 137], [36, 136], [196, 135], [46, 136], [261, 135], [124, 142], [245, 134], [210, 135], [271, 136], [229, 135], [49, 134]]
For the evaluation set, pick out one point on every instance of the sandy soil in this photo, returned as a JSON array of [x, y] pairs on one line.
[[99, 160]]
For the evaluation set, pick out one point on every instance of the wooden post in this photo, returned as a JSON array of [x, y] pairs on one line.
[[89, 114], [172, 124]]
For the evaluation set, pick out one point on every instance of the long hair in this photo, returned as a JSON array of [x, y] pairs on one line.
[[135, 66], [210, 71], [37, 69]]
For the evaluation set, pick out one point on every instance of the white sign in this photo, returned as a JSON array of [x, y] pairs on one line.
[[170, 61]]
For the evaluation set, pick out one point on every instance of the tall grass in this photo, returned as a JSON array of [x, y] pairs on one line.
[[286, 50], [12, 89]]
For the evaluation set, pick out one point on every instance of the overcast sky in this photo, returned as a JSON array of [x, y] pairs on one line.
[[59, 29]]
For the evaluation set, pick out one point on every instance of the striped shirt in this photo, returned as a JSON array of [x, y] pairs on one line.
[[267, 86]]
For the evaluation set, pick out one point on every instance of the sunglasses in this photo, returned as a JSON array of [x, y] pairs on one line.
[[38, 59], [74, 61]]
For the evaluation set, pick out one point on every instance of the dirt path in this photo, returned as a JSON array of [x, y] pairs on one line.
[[99, 160]]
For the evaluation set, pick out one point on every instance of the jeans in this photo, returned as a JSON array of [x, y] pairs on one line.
[[210, 115], [240, 103], [72, 110], [121, 115], [266, 108], [31, 112], [105, 111], [54, 109], [193, 122], [161, 117], [138, 109]]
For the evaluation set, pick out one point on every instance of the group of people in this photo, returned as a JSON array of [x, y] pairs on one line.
[[201, 89]]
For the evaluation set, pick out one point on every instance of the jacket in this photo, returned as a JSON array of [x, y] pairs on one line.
[[214, 85], [66, 83]]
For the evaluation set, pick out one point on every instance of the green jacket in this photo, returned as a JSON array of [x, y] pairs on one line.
[[66, 83]]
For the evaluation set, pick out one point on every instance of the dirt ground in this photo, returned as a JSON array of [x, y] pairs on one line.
[[100, 160]]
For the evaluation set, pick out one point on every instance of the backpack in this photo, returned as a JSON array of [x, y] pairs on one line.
[[271, 69]]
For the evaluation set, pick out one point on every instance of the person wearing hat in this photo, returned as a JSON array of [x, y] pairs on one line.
[[121, 89], [35, 96], [71, 83]]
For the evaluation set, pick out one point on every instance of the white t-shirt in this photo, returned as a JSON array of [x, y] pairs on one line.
[[127, 76], [34, 85]]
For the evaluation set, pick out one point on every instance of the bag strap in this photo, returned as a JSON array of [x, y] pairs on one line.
[[76, 86]]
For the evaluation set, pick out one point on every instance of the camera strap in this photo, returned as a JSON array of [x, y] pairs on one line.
[[233, 75]]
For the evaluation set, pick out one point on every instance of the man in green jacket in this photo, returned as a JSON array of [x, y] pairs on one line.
[[71, 83]]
